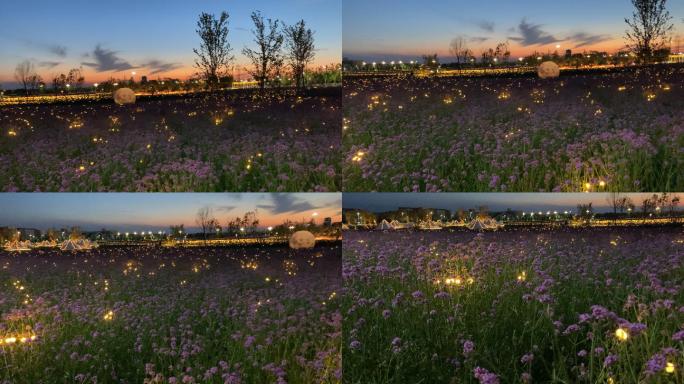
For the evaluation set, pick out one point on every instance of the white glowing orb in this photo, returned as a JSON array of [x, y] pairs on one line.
[[302, 240], [124, 96], [548, 69]]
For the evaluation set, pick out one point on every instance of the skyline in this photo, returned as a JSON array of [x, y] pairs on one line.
[[157, 211], [159, 41], [402, 31], [501, 201]]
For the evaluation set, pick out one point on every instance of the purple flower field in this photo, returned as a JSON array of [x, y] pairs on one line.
[[170, 315], [615, 131], [515, 306], [216, 142]]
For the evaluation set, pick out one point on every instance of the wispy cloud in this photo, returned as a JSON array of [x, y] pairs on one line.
[[478, 39], [582, 39], [485, 25], [225, 208], [107, 60], [58, 50], [55, 49], [49, 64], [532, 34], [158, 66], [287, 203]]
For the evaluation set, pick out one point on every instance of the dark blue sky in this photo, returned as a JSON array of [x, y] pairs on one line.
[[398, 29], [156, 211], [378, 202], [152, 35]]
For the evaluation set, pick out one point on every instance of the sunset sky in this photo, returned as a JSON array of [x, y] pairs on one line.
[[151, 37], [156, 211], [379, 202], [404, 30]]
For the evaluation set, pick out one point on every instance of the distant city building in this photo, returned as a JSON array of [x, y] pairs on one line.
[[327, 221], [568, 53], [29, 233], [143, 79], [676, 58]]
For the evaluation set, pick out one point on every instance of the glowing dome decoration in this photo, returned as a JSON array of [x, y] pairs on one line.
[[548, 69], [302, 240], [124, 96]]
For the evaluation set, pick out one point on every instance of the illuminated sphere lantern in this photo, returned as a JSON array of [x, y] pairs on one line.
[[302, 240], [548, 70], [124, 96]]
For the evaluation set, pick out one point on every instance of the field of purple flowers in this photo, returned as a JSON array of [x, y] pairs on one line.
[[617, 131], [218, 142], [561, 306], [156, 315]]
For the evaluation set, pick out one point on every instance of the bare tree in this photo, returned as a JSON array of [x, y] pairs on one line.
[[250, 221], [502, 53], [431, 61], [52, 234], [206, 221], [176, 231], [267, 58], [648, 206], [75, 233], [459, 49], [299, 41], [649, 28], [213, 56], [672, 204], [585, 212], [26, 75]]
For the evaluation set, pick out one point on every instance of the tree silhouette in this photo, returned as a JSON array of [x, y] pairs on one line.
[[459, 49], [26, 75], [648, 28], [213, 56], [300, 45], [266, 59]]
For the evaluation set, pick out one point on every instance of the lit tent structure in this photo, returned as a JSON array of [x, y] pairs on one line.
[[77, 245], [384, 226], [483, 224], [430, 225], [455, 223], [16, 246], [397, 225]]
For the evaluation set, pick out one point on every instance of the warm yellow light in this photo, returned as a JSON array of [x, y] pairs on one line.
[[669, 367], [108, 316], [602, 183], [587, 185], [522, 276], [621, 334]]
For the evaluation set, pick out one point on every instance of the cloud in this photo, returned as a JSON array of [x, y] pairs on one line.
[[286, 203], [487, 26], [225, 208], [532, 34], [157, 66], [106, 60], [55, 49], [478, 39], [583, 39], [58, 50], [49, 64]]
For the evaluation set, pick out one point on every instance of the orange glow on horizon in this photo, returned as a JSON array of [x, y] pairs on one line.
[[186, 72]]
